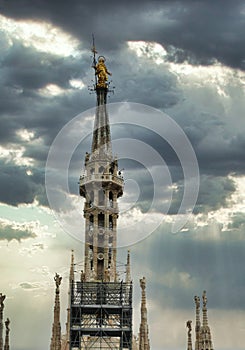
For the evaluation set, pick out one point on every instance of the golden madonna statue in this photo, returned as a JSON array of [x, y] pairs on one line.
[[101, 72]]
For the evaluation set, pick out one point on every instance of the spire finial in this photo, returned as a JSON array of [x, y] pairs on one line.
[[101, 71], [94, 58]]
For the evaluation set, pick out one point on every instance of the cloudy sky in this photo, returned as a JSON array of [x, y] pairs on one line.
[[181, 59]]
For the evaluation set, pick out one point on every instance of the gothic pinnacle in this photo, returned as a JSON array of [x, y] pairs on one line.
[[144, 343]]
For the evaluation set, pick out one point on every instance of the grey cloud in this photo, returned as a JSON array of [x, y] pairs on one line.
[[17, 187], [238, 221], [214, 193], [9, 232], [28, 285]]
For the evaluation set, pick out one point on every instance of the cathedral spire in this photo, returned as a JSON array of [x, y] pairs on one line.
[[56, 329], [2, 298], [204, 310], [205, 333], [198, 322], [101, 185], [144, 343], [6, 345]]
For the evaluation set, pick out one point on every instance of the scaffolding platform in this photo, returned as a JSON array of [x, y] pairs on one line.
[[101, 315]]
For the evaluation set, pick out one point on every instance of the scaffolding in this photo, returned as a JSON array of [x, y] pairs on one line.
[[101, 315]]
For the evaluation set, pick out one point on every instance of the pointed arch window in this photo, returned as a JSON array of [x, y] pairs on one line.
[[101, 197], [111, 199], [101, 220], [91, 222], [110, 222]]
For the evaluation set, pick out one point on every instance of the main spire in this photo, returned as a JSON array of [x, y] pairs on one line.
[[100, 304], [101, 185]]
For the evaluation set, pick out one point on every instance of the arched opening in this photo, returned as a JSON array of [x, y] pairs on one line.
[[111, 199], [91, 222], [101, 197], [91, 198], [101, 169], [110, 222], [101, 220]]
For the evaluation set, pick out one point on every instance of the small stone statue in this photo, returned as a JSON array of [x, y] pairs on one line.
[[2, 298], [107, 275], [87, 156], [188, 325], [57, 280], [82, 276], [197, 301], [142, 283], [7, 322]]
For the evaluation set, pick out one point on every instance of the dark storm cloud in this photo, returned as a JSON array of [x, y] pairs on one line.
[[29, 69], [9, 232], [24, 71], [17, 187], [200, 30]]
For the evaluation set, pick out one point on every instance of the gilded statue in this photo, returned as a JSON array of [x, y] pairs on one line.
[[101, 72]]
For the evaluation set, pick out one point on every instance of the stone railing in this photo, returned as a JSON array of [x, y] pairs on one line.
[[101, 177]]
